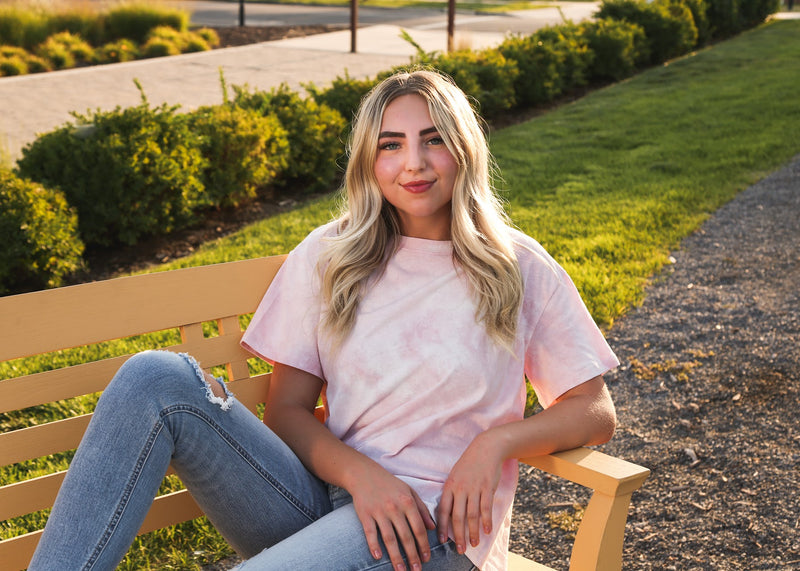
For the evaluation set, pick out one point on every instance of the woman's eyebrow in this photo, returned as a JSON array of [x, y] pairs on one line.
[[397, 134]]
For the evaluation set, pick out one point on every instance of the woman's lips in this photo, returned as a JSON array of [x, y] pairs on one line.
[[417, 186]]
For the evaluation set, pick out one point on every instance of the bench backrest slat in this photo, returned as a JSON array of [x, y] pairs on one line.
[[42, 440], [50, 320]]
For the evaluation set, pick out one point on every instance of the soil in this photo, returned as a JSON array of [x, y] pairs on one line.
[[706, 394]]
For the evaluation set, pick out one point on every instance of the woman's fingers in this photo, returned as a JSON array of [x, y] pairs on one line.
[[468, 514], [401, 522], [371, 533]]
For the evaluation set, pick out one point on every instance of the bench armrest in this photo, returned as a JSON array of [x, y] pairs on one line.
[[598, 543]]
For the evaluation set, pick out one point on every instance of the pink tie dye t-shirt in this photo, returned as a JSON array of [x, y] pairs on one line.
[[418, 378]]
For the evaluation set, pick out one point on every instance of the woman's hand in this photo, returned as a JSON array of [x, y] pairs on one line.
[[584, 415], [390, 508], [468, 493]]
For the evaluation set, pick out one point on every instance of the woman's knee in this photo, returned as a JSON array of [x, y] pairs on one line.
[[157, 372]]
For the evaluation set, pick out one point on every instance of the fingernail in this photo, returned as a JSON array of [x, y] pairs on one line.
[[442, 538], [400, 567], [426, 556], [416, 567], [376, 554], [460, 549]]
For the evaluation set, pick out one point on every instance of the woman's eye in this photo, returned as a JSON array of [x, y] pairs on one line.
[[436, 141], [389, 146]]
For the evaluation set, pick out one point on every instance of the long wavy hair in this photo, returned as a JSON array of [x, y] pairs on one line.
[[369, 226]]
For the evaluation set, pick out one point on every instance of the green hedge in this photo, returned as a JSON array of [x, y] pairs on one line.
[[244, 151], [131, 173], [668, 25], [314, 131], [39, 234], [618, 48]]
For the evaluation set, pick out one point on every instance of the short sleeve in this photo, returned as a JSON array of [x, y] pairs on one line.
[[285, 326], [564, 347]]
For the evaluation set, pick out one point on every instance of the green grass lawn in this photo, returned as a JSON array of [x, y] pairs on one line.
[[609, 185]]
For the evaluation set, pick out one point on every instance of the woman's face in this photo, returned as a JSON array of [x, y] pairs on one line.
[[415, 170]]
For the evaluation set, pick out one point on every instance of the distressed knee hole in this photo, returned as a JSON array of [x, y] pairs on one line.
[[216, 390]]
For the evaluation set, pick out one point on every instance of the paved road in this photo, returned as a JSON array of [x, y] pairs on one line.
[[38, 103]]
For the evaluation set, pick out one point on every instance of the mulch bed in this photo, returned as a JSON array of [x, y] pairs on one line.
[[230, 36]]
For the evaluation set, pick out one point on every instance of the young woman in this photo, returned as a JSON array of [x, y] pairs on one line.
[[417, 315]]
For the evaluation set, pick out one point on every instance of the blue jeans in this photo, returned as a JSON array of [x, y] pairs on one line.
[[159, 410]]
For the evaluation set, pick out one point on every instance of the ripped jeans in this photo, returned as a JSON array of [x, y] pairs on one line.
[[159, 410]]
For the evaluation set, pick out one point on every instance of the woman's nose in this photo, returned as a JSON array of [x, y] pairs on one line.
[[415, 158]]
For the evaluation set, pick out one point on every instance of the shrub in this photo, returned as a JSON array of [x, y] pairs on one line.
[[39, 235], [118, 51], [163, 41], [17, 61], [195, 43], [130, 172], [667, 24], [13, 65], [699, 10], [65, 50], [79, 20], [244, 152], [754, 12], [135, 21], [723, 18], [550, 62], [344, 95], [13, 51], [487, 76], [57, 55], [37, 64], [160, 47], [315, 133], [211, 37], [616, 47], [23, 27]]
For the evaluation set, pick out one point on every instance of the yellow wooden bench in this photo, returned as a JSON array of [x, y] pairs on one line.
[[52, 320]]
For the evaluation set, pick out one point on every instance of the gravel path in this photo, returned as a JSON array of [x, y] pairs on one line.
[[707, 399]]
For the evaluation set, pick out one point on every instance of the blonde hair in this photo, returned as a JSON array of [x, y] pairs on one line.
[[369, 227]]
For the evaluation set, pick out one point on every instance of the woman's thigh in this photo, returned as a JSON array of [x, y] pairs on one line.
[[249, 483], [159, 410], [336, 542]]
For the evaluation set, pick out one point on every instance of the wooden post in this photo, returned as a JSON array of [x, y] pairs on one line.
[[241, 13], [451, 23], [353, 24]]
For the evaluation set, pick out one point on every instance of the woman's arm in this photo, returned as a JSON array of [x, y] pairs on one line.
[[582, 416], [384, 503]]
